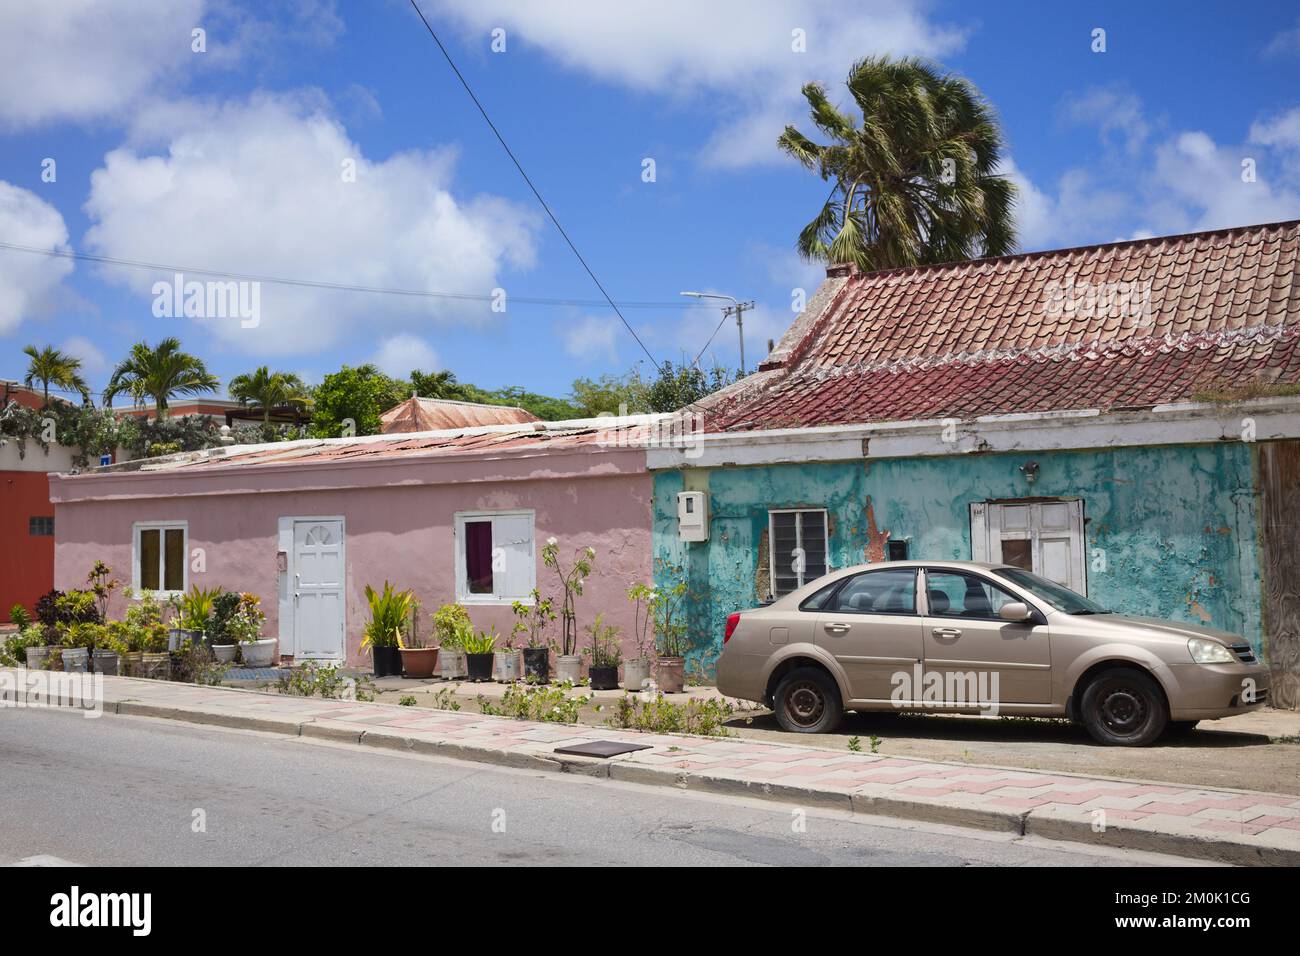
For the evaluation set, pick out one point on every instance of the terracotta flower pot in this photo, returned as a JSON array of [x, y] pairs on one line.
[[419, 662], [671, 673]]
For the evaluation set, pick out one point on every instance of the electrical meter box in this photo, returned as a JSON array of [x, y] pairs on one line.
[[692, 516]]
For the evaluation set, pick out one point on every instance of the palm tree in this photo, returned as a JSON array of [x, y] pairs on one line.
[[159, 373], [50, 366], [266, 390], [915, 183]]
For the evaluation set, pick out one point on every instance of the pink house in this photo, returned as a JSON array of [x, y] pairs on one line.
[[457, 515]]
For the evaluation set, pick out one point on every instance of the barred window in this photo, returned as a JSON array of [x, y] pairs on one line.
[[798, 546]]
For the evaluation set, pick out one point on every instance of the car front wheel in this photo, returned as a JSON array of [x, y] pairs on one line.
[[808, 702], [1124, 708]]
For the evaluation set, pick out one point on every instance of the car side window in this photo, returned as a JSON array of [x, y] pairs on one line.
[[961, 594], [817, 600], [888, 591]]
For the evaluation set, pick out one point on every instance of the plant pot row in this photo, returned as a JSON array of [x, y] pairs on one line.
[[530, 664]]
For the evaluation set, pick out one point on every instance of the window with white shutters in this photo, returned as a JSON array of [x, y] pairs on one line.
[[495, 557], [798, 545]]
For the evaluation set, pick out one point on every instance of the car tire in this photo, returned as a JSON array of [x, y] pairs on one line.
[[1123, 707], [807, 701]]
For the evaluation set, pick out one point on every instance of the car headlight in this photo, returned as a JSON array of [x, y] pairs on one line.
[[1209, 652]]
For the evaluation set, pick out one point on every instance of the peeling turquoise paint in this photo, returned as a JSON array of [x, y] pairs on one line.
[[1170, 531]]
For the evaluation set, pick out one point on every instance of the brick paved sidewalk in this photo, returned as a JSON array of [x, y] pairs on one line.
[[1236, 826]]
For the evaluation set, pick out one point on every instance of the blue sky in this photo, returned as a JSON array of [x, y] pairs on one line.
[[233, 159]]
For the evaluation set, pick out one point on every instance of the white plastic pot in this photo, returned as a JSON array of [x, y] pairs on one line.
[[258, 653], [568, 667]]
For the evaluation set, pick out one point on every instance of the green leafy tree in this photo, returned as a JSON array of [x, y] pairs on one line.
[[680, 385], [915, 182], [266, 390], [360, 393], [49, 366], [436, 385], [159, 373], [611, 393]]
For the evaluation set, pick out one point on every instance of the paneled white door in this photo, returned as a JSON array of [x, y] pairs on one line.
[[1045, 537], [317, 589]]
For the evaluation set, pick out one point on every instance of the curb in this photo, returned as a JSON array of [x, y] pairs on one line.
[[1049, 825]]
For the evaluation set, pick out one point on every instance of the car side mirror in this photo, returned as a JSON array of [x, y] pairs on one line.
[[1016, 611]]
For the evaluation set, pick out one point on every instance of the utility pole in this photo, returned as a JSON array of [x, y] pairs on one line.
[[737, 308]]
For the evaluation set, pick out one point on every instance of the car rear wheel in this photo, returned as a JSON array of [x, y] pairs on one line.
[[1124, 708], [808, 702]]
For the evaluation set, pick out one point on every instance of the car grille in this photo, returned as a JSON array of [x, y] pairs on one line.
[[1243, 652]]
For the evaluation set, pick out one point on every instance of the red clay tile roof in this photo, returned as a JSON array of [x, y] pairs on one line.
[[431, 414], [1206, 311]]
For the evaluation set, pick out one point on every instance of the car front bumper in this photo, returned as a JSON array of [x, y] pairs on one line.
[[1207, 691]]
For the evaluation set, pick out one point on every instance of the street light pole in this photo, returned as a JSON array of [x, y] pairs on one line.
[[737, 308]]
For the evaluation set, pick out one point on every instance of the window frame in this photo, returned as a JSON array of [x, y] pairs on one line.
[[460, 558], [136, 553], [841, 585], [31, 525], [798, 530], [983, 579]]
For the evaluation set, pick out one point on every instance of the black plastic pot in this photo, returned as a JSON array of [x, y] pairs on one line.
[[479, 666], [388, 661], [603, 678], [537, 664]]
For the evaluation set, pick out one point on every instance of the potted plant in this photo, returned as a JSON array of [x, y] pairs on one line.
[[389, 610], [451, 625], [418, 661], [30, 638], [191, 615], [636, 670], [568, 665], [78, 638], [606, 654], [109, 651], [245, 627], [670, 632], [532, 620], [507, 663], [224, 647], [478, 654]]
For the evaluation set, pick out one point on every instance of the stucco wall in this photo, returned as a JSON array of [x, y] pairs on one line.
[[402, 534], [1177, 525]]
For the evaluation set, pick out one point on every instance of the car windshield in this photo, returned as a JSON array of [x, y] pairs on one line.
[[1059, 596]]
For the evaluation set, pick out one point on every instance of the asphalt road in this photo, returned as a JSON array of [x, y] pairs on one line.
[[133, 791]]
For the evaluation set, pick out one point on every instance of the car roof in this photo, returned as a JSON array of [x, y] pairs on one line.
[[837, 574]]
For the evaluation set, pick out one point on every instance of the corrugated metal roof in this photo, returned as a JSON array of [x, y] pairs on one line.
[[1028, 333], [430, 414]]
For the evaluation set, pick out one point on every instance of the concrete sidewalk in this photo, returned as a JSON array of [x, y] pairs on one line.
[[1235, 826]]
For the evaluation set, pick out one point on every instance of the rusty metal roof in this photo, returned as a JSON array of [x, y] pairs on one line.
[[1042, 331], [432, 414]]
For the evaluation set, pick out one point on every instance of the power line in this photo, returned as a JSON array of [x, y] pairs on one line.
[[519, 166], [711, 337], [336, 286]]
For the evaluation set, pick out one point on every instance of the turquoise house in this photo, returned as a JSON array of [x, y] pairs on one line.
[[1124, 419]]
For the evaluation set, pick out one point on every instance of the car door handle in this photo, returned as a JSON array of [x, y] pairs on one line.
[[836, 628], [946, 632]]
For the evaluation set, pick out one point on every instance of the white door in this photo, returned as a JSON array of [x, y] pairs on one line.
[[1045, 537], [317, 589]]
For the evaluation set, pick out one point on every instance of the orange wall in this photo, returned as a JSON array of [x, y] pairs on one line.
[[26, 561]]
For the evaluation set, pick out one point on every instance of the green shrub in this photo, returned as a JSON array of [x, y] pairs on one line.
[[662, 716], [548, 704]]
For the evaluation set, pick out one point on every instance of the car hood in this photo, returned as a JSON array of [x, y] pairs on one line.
[[1175, 629]]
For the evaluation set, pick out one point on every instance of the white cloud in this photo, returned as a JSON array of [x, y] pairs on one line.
[[93, 360], [739, 50], [1116, 112], [83, 60], [401, 354], [258, 187], [592, 336], [1285, 43], [28, 280]]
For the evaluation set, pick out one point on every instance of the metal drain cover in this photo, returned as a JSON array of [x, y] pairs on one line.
[[601, 748]]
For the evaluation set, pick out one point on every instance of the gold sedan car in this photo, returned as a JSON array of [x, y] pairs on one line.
[[965, 637]]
